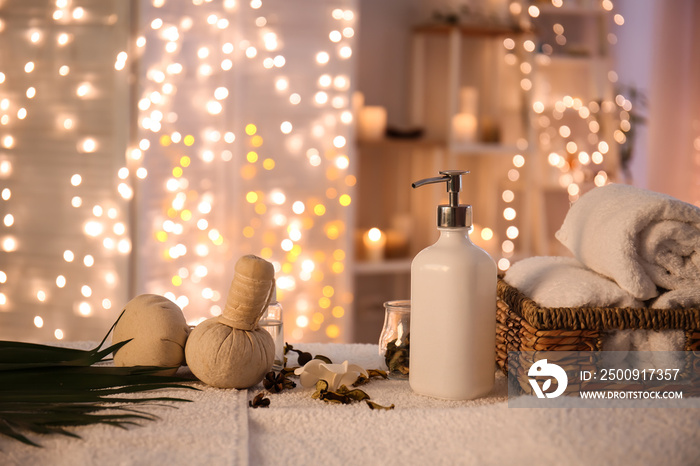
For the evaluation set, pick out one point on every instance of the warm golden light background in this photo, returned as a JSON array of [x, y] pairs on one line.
[[145, 145]]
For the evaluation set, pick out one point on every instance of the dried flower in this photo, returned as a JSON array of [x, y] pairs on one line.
[[275, 382], [344, 395], [330, 380], [334, 374]]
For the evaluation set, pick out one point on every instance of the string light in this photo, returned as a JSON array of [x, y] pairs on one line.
[[276, 220], [195, 147], [567, 129]]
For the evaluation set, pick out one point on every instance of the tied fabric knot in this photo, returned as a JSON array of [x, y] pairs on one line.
[[242, 313]]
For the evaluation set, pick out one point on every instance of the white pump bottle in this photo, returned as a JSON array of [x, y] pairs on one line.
[[453, 307]]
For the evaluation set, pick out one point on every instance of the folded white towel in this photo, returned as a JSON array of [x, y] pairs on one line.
[[640, 239], [565, 282]]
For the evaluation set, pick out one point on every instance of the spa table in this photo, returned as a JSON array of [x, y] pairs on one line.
[[218, 428]]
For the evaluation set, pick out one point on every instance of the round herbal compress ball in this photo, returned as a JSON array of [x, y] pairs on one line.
[[225, 357], [158, 332], [231, 350]]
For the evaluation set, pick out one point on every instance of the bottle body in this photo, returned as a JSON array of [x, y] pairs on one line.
[[453, 318]]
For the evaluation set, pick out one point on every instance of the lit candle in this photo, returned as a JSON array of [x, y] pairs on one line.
[[464, 127], [375, 242], [372, 123]]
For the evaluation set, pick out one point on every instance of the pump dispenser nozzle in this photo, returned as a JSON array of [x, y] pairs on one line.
[[453, 215]]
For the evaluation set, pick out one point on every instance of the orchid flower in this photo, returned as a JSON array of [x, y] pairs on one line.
[[335, 374]]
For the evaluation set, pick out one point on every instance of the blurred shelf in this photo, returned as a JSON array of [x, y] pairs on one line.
[[483, 148], [399, 143], [458, 148], [564, 59], [575, 10], [390, 266], [477, 30]]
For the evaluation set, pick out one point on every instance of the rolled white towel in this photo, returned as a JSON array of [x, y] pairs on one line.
[[678, 299], [565, 282], [639, 238]]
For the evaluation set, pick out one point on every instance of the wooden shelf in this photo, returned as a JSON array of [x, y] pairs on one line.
[[477, 30], [483, 148], [400, 143], [459, 148]]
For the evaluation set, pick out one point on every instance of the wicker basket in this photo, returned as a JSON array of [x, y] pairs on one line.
[[524, 326]]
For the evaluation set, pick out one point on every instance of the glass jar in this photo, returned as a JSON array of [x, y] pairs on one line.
[[272, 322], [394, 340]]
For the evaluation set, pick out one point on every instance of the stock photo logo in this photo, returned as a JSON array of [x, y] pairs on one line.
[[542, 368]]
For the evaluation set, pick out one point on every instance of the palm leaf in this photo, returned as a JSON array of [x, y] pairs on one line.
[[19, 355], [46, 389], [71, 378]]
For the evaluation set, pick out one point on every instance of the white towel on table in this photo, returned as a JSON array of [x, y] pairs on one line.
[[492, 430], [211, 430], [565, 282], [640, 239]]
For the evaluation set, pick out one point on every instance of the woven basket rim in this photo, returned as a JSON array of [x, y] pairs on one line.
[[599, 318]]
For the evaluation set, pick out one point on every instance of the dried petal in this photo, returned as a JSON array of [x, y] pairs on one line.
[[321, 389], [357, 395], [377, 373], [321, 385], [323, 358], [259, 401], [334, 397], [371, 373], [397, 356], [373, 405], [361, 380]]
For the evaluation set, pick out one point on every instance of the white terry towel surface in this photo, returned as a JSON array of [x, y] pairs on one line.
[[639, 238], [297, 429], [565, 282]]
